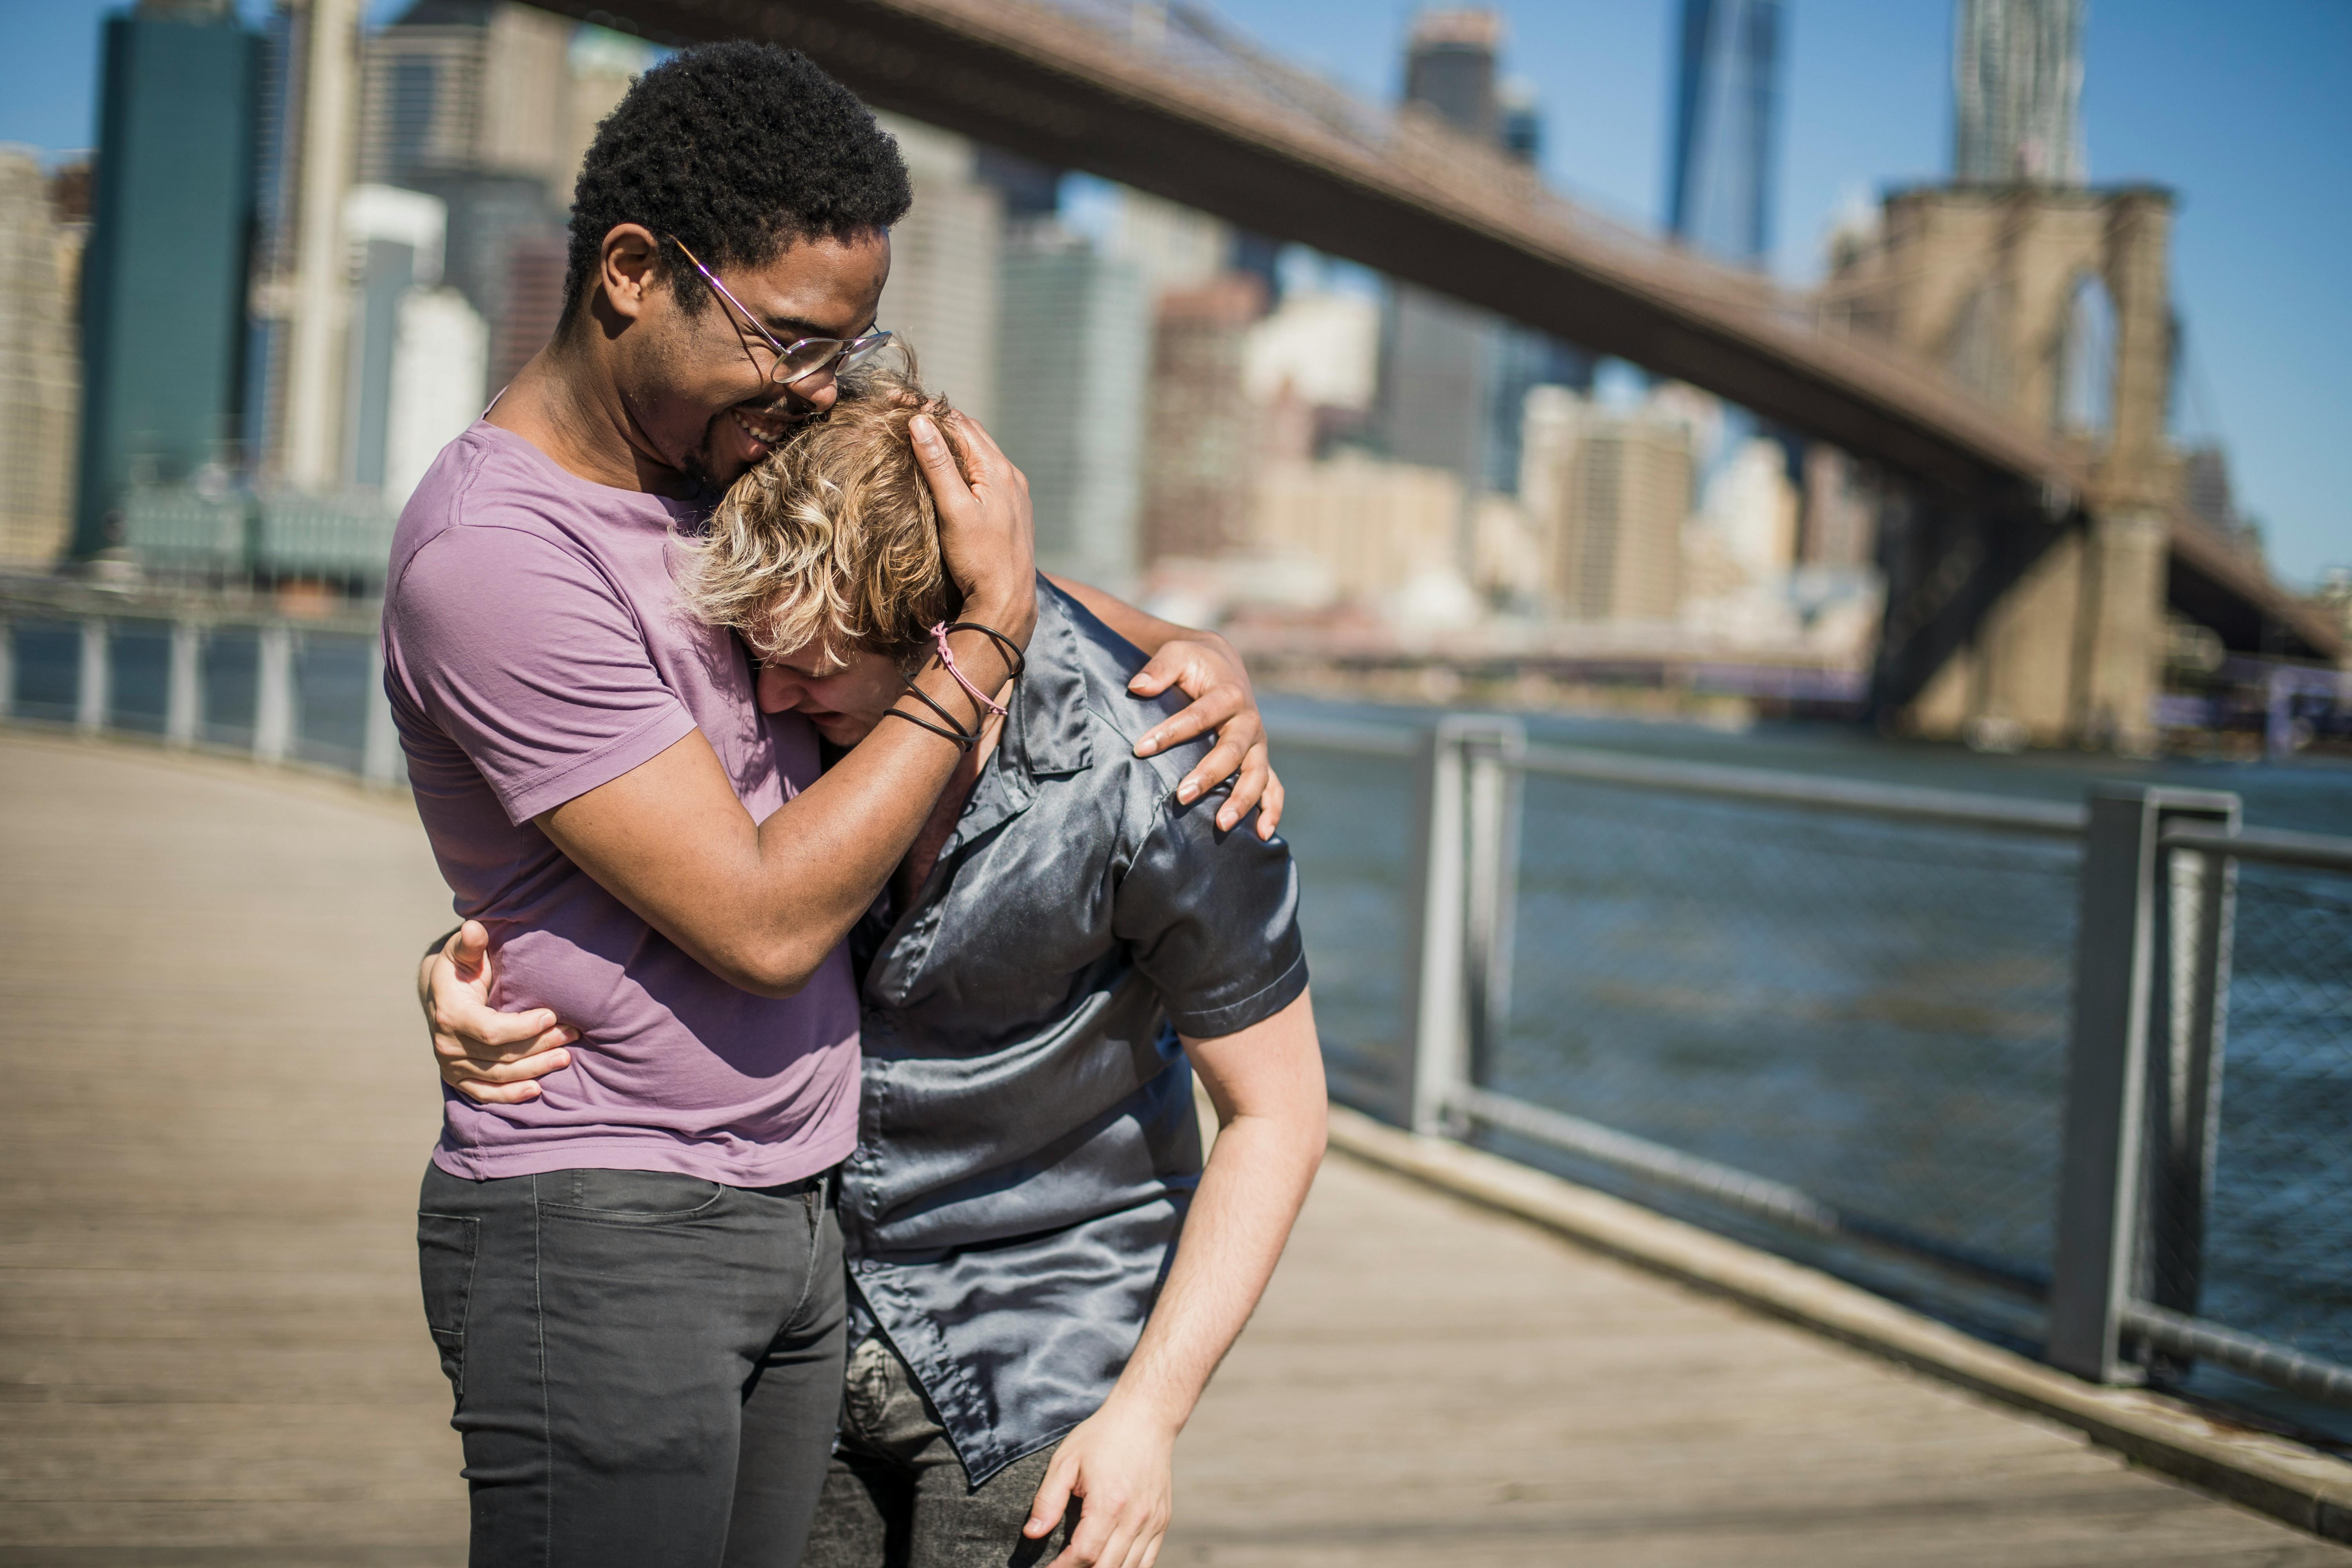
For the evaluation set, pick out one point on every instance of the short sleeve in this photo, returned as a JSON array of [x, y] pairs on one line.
[[1212, 918], [525, 656]]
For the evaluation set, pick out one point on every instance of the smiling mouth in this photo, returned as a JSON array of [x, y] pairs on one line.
[[767, 431]]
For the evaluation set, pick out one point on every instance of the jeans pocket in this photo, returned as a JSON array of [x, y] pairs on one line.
[[628, 1197], [445, 1246]]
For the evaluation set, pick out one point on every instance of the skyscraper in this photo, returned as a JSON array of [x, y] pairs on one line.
[[469, 84], [301, 293], [1518, 125], [1523, 358], [1030, 190], [437, 384], [1608, 492], [1450, 68], [1371, 527], [1177, 247], [40, 380], [1726, 95], [396, 236], [416, 350], [1200, 461], [1452, 378], [1726, 115], [605, 65], [472, 101], [1437, 356], [164, 279], [2017, 68], [943, 296], [1071, 368]]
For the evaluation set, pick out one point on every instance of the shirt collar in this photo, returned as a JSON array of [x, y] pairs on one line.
[[1047, 732]]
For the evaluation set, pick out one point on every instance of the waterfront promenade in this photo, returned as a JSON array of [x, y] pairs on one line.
[[211, 1351]]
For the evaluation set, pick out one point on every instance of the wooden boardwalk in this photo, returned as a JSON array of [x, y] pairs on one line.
[[217, 1107]]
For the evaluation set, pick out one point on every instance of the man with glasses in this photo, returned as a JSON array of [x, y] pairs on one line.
[[791, 365], [635, 1275]]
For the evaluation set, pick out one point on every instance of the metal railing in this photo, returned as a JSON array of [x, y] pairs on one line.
[[1977, 1040], [200, 672]]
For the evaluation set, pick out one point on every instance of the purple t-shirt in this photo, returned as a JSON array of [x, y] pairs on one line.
[[532, 651]]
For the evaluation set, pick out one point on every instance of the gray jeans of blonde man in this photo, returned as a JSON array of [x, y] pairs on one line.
[[897, 1497]]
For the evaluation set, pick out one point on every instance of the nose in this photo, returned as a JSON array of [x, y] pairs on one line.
[[777, 690], [817, 392]]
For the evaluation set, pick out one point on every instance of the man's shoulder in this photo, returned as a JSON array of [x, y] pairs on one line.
[[1103, 662], [477, 482], [481, 509]]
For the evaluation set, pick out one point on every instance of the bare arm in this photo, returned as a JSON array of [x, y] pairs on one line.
[[1145, 630], [1211, 671], [1267, 1083], [761, 904]]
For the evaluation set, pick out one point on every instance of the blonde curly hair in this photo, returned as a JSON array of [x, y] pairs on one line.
[[832, 544]]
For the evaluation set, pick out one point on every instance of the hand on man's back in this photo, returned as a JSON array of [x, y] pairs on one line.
[[1205, 668], [480, 1052]]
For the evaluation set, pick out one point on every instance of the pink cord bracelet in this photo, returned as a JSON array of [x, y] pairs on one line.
[[947, 658]]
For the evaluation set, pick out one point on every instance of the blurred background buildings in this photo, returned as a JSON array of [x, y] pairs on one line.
[[342, 231]]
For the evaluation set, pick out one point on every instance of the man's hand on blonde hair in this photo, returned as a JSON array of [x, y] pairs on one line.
[[986, 539]]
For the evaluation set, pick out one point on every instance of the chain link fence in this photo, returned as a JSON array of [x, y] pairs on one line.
[[2277, 1234], [1349, 821]]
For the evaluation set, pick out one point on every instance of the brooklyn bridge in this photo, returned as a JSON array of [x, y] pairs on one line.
[[2032, 572]]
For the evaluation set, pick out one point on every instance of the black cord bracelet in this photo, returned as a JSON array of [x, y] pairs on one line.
[[1012, 654], [971, 737], [963, 742]]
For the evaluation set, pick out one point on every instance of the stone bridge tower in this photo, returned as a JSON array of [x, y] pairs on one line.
[[2030, 619]]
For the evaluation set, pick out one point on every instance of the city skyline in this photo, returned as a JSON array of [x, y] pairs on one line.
[[2235, 113], [2237, 109]]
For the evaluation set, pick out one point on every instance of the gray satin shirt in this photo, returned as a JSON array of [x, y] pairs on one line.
[[1027, 1144]]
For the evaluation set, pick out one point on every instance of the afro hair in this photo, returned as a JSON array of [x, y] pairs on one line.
[[739, 149]]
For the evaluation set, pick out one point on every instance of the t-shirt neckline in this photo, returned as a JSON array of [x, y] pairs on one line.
[[610, 495]]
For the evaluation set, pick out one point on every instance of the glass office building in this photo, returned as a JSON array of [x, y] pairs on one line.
[[1726, 100], [164, 287]]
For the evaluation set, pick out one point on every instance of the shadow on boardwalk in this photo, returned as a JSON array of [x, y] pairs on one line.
[[217, 1109]]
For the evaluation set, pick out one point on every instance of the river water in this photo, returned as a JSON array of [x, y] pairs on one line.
[[1874, 1012]]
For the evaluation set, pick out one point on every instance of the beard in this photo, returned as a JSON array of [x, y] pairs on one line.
[[695, 467]]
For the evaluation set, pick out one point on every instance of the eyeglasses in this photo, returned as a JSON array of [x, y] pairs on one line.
[[802, 357]]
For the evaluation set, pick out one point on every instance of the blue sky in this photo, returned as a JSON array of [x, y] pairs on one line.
[[2240, 108]]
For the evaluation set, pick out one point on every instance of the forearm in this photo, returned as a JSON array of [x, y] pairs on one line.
[[1147, 632], [761, 904], [1258, 1176]]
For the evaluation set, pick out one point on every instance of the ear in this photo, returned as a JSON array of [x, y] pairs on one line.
[[628, 268]]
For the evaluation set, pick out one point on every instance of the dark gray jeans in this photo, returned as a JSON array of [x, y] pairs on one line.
[[648, 1367], [896, 1496]]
